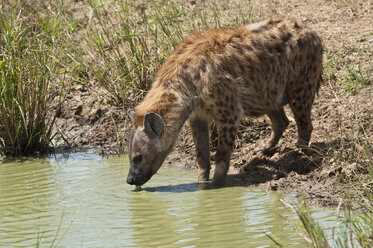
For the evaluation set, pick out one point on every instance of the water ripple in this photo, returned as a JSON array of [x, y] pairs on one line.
[[87, 197]]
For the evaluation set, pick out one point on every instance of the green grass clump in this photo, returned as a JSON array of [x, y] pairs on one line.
[[355, 230], [356, 79], [29, 83], [341, 67]]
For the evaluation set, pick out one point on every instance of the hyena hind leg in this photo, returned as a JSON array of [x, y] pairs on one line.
[[302, 116], [279, 123]]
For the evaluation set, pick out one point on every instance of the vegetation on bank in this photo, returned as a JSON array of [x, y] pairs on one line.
[[31, 78], [48, 46], [354, 229], [45, 48]]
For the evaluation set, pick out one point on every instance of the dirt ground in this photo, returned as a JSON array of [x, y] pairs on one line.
[[90, 121]]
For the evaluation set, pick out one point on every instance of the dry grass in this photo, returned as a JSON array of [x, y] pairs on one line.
[[126, 42]]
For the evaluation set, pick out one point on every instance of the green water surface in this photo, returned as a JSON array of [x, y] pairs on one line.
[[82, 200]]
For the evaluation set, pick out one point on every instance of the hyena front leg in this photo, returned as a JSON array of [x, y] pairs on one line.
[[200, 134], [226, 137]]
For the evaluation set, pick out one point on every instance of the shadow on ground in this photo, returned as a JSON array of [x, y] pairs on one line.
[[262, 169]]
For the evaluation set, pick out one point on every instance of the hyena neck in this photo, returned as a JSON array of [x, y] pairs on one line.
[[174, 108]]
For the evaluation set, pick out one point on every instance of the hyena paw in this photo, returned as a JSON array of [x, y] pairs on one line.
[[302, 144], [265, 149]]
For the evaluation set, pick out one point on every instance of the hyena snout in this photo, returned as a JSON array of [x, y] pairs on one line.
[[130, 180], [136, 178], [131, 177]]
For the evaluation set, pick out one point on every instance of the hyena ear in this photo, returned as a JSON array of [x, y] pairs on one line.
[[132, 114], [153, 124]]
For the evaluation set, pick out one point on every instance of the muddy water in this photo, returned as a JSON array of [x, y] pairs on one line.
[[82, 200]]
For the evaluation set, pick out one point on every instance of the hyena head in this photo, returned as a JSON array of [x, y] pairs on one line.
[[148, 148]]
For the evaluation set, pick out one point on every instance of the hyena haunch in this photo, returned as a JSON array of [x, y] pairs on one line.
[[221, 75]]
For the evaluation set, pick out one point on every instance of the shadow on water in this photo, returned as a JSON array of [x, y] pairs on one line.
[[179, 188], [260, 169], [190, 187]]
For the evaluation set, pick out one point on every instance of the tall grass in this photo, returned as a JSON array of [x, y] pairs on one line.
[[355, 229], [30, 81], [120, 45], [127, 42]]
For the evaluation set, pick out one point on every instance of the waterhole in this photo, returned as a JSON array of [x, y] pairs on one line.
[[82, 200]]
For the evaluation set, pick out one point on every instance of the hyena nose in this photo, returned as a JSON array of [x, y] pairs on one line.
[[131, 180]]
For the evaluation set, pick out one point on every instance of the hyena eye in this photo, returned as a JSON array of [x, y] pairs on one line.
[[137, 159]]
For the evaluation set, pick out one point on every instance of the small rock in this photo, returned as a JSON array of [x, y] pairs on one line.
[[79, 110], [274, 187]]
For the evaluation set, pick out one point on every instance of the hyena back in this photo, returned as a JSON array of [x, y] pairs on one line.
[[221, 75]]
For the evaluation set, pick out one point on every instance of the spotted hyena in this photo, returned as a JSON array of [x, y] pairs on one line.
[[221, 75]]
